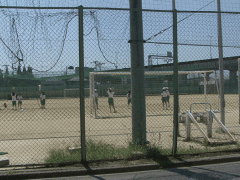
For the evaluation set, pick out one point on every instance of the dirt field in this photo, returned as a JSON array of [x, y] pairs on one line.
[[28, 135]]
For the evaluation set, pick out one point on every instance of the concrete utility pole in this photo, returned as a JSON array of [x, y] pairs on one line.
[[137, 73]]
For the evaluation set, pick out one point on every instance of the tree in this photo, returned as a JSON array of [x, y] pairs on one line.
[[19, 70], [29, 70], [6, 72], [1, 78], [24, 70], [1, 74]]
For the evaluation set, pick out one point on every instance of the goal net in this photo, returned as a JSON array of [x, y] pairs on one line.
[[194, 86]]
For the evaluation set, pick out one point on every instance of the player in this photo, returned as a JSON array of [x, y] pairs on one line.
[[129, 97], [19, 98], [110, 99], [168, 97], [164, 97], [42, 99], [96, 98], [14, 99]]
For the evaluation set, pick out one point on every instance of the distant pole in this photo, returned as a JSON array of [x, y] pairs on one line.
[[221, 75], [137, 73], [175, 82]]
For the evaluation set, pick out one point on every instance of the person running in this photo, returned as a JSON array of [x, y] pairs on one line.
[[129, 98], [19, 98], [14, 99], [42, 99], [110, 99], [96, 98]]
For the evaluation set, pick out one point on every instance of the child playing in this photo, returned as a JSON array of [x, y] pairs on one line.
[[164, 97], [129, 98], [42, 99], [19, 98], [14, 99], [110, 99]]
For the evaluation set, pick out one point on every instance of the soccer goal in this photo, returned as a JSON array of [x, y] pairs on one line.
[[194, 86]]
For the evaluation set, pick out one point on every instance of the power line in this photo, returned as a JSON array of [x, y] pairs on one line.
[[160, 32]]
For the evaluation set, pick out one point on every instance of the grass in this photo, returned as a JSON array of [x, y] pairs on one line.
[[102, 151]]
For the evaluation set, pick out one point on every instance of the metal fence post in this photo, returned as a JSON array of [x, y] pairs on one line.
[[175, 83], [137, 73], [239, 89], [221, 75], [81, 85]]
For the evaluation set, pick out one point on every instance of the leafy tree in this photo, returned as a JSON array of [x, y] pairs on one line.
[[29, 70], [1, 74], [19, 70], [6, 72], [24, 70]]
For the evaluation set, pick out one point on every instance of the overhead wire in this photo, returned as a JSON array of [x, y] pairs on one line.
[[162, 31]]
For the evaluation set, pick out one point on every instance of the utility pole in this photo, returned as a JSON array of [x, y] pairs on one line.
[[137, 73]]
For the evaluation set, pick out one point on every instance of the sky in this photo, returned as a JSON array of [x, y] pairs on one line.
[[48, 39]]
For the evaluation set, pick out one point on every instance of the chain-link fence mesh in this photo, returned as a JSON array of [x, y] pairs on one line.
[[198, 40], [39, 60], [40, 56]]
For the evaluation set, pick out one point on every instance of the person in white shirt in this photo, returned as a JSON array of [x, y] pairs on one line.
[[14, 99], [110, 99], [165, 97], [42, 99], [19, 98]]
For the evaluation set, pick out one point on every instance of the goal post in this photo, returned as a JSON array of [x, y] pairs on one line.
[[154, 82]]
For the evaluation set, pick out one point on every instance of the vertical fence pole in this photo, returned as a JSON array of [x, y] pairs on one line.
[[137, 73], [81, 85], [221, 75], [175, 84]]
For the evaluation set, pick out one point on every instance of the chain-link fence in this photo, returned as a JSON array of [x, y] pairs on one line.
[[41, 97], [39, 53]]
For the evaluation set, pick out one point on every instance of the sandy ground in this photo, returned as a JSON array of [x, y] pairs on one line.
[[28, 135]]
